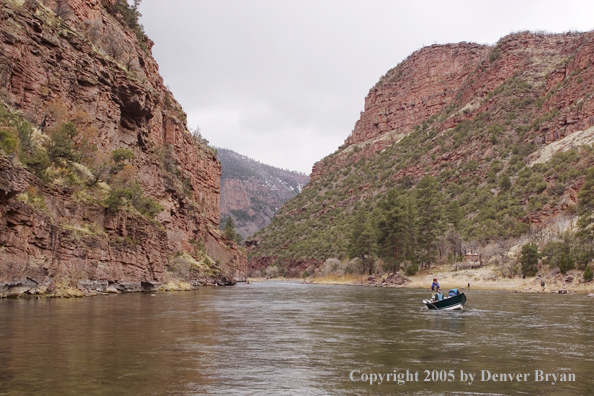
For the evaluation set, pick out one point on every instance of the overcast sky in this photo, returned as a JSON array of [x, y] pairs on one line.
[[283, 81]]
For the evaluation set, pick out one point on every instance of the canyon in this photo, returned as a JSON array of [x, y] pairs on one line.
[[90, 66], [475, 118]]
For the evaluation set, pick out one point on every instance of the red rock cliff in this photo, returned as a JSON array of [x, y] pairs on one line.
[[435, 77], [421, 86], [89, 65]]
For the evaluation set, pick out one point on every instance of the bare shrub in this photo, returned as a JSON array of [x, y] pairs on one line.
[[331, 266], [94, 27], [113, 45], [129, 59], [62, 9], [197, 135], [272, 272]]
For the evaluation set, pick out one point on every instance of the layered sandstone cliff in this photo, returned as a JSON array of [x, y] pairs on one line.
[[462, 76], [90, 66]]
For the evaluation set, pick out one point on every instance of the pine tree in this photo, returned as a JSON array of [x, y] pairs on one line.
[[566, 263], [454, 214], [430, 224], [529, 259], [505, 183], [391, 229], [585, 208], [229, 230], [588, 274], [412, 229], [585, 222], [362, 243]]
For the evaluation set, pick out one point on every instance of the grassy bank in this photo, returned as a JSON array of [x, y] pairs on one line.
[[487, 278], [484, 278]]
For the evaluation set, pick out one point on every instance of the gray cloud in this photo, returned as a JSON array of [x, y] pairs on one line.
[[284, 81]]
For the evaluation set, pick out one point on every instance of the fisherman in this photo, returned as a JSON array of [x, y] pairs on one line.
[[434, 285], [542, 284], [439, 295]]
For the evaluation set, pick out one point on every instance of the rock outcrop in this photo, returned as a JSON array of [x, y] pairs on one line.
[[421, 86], [92, 66], [435, 77]]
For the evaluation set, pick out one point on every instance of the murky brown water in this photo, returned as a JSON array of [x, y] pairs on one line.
[[290, 339]]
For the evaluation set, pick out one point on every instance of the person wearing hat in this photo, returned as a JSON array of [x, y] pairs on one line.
[[434, 285], [439, 295]]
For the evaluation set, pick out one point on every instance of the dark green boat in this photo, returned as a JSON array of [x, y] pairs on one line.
[[455, 300]]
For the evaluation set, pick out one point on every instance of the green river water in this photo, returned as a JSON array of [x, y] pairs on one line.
[[281, 338]]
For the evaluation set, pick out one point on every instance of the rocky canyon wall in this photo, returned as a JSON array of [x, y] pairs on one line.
[[462, 76], [88, 65]]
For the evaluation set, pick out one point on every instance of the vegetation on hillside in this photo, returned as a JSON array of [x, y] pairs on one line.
[[437, 192], [64, 156], [240, 167], [266, 188]]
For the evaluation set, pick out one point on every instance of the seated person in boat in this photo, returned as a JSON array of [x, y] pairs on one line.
[[439, 295]]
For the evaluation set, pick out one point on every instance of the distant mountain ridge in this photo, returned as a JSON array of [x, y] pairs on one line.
[[252, 192]]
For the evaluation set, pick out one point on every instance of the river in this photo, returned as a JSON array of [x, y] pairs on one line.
[[282, 338]]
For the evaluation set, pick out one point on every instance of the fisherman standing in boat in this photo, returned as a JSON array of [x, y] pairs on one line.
[[434, 285]]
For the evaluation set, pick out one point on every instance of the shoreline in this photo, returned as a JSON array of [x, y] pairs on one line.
[[483, 278], [104, 288]]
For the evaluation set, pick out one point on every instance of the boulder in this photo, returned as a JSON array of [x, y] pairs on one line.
[[126, 287], [17, 288], [93, 286]]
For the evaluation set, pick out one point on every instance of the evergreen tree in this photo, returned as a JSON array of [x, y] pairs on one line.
[[229, 230], [391, 229], [454, 241], [411, 229], [588, 274], [362, 243], [585, 209], [585, 223], [60, 144], [505, 183], [529, 259], [430, 224], [454, 214], [566, 263]]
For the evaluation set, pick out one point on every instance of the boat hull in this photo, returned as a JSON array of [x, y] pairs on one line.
[[448, 304]]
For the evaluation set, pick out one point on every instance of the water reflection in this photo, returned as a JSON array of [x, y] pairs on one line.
[[279, 338]]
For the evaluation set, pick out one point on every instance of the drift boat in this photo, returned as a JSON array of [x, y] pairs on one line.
[[455, 300]]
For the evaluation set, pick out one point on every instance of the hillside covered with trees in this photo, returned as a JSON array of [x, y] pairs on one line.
[[461, 147]]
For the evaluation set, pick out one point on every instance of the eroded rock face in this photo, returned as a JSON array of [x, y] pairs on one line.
[[423, 85], [47, 62], [435, 77]]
